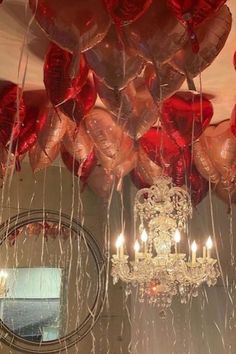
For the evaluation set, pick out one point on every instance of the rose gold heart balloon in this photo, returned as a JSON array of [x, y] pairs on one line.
[[72, 24], [76, 141], [112, 144], [101, 182], [42, 158], [133, 107], [54, 130], [146, 168], [221, 147], [157, 35], [112, 63], [212, 35], [203, 162], [164, 82]]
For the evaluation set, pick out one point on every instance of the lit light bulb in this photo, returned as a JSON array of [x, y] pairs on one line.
[[120, 245], [194, 251], [144, 236], [209, 243], [137, 246], [177, 236]]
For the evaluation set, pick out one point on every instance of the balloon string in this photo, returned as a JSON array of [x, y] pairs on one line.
[[190, 82]]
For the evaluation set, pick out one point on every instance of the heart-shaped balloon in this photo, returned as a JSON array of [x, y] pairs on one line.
[[76, 141], [101, 182], [185, 115], [146, 170], [198, 186], [77, 107], [164, 82], [220, 145], [61, 80], [194, 11], [133, 107], [159, 147], [212, 35], [72, 24], [12, 113], [203, 162], [36, 112], [157, 35], [41, 158], [112, 63], [124, 12], [181, 169], [112, 144], [79, 169], [233, 121]]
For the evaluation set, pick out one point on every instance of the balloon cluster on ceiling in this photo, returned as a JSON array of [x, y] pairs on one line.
[[134, 55]]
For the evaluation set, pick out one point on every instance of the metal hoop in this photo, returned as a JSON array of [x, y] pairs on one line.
[[14, 341]]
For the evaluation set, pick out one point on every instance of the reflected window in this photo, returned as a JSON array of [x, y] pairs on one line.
[[31, 307]]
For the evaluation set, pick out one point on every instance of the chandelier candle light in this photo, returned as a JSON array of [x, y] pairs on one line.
[[159, 270]]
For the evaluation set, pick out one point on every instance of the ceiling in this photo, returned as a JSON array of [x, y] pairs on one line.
[[22, 50]]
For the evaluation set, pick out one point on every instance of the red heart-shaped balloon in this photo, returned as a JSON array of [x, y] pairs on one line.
[[185, 115], [11, 113], [125, 11], [60, 80], [159, 147], [197, 185], [194, 11], [76, 108]]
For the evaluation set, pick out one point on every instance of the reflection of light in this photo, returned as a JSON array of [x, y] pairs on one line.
[[3, 278]]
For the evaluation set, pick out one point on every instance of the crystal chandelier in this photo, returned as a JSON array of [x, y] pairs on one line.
[[159, 270]]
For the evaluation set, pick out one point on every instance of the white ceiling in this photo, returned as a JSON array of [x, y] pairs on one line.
[[18, 59]]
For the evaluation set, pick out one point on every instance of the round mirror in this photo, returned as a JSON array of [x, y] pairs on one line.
[[52, 282]]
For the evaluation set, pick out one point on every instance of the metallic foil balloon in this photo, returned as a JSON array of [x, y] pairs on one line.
[[47, 147], [112, 63], [233, 121], [79, 169], [138, 179], [146, 169], [41, 158], [194, 11], [226, 193], [101, 182], [73, 25], [203, 162], [160, 148], [212, 35], [34, 122], [124, 12], [157, 35], [80, 105], [185, 115], [112, 144], [221, 147], [181, 169], [63, 81], [198, 186], [53, 132], [133, 108], [163, 82], [76, 141], [12, 112]]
